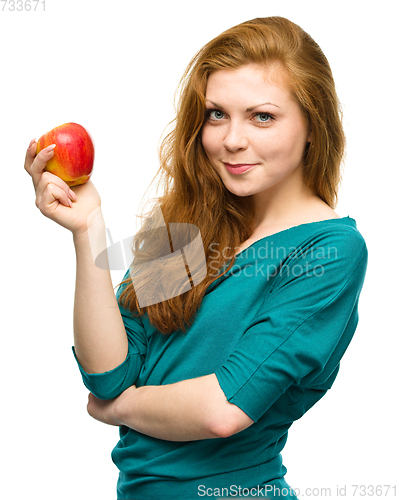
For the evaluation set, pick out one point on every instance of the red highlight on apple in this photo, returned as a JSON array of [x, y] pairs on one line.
[[73, 155]]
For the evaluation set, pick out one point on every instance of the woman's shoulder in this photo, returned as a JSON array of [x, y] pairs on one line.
[[317, 220], [323, 225], [334, 243], [341, 229]]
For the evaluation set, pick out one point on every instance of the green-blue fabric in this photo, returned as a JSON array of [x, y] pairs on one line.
[[273, 329]]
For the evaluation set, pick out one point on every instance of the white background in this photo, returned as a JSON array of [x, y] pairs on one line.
[[114, 67]]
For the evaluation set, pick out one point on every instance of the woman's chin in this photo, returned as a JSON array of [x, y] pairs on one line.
[[240, 191]]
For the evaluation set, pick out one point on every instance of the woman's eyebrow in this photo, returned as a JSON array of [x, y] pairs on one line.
[[249, 109]]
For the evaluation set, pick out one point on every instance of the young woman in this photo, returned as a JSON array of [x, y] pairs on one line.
[[205, 383]]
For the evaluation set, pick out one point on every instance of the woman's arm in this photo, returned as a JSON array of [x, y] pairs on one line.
[[189, 410], [100, 339]]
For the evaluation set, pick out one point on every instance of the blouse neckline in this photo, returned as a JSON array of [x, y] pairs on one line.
[[336, 219]]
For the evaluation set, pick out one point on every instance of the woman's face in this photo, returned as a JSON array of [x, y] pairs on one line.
[[252, 119]]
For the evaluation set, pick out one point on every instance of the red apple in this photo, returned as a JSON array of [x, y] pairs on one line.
[[73, 155]]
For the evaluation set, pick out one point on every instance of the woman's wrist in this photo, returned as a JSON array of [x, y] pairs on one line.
[[95, 221], [123, 406], [92, 235]]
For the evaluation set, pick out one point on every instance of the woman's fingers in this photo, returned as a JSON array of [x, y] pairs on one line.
[[30, 155], [35, 164], [51, 198], [48, 178]]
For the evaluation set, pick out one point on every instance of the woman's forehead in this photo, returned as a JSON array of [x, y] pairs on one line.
[[272, 73], [252, 81], [273, 70]]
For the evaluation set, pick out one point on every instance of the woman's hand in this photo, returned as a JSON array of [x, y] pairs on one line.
[[105, 410], [55, 199], [102, 410]]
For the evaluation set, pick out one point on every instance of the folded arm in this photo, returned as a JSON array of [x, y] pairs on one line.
[[189, 410]]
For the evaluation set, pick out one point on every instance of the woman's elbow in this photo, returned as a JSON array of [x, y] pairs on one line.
[[231, 422]]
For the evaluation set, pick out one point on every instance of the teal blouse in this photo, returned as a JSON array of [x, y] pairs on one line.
[[273, 329]]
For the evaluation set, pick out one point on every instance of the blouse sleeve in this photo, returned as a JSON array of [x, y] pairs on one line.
[[304, 326], [110, 384]]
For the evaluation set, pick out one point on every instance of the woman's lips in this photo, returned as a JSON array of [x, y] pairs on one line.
[[239, 168]]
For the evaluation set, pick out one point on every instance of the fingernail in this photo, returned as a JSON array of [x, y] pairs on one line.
[[70, 203], [31, 142], [50, 148], [72, 194]]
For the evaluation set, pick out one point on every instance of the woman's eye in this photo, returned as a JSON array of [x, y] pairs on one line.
[[264, 117], [217, 113]]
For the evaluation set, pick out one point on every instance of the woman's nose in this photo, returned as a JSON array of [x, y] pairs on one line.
[[235, 137]]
